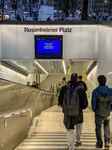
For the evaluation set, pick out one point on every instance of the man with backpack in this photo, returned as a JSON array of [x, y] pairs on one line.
[[102, 105], [73, 99], [82, 84]]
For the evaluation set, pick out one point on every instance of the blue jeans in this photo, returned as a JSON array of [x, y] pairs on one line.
[[98, 122]]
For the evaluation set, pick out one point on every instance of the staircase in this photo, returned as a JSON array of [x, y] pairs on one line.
[[52, 79], [50, 133], [55, 141]]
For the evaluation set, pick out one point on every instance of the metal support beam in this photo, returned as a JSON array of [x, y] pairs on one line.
[[37, 10], [2, 2]]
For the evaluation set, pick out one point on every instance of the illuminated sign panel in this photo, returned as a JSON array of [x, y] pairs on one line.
[[48, 46]]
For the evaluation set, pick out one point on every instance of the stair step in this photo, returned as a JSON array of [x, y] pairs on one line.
[[57, 140], [59, 137], [51, 147], [57, 147], [63, 135], [43, 141], [53, 143]]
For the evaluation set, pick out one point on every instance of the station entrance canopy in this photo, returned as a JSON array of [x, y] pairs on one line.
[[78, 42]]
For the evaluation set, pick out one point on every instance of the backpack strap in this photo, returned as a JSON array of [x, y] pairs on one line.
[[78, 87], [69, 87], [108, 93], [99, 93]]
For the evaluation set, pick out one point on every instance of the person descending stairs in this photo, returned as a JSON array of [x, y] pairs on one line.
[[50, 133]]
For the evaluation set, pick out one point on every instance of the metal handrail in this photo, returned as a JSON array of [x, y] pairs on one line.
[[19, 110], [51, 87], [11, 113]]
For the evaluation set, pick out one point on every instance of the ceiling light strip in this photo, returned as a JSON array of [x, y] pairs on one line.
[[41, 67], [91, 67], [92, 70], [64, 67]]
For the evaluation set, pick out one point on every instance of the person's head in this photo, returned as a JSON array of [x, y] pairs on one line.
[[60, 83], [64, 79], [28, 83], [101, 79], [80, 77], [34, 83], [74, 77]]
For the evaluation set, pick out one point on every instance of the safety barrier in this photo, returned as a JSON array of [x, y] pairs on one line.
[[18, 105]]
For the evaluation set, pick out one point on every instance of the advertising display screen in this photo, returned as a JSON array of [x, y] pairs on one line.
[[48, 46]]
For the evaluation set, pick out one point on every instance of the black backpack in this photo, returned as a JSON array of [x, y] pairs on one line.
[[71, 102], [81, 85], [105, 104]]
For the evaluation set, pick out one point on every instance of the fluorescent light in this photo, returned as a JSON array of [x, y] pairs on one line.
[[64, 67], [41, 67], [29, 109], [17, 113], [92, 70], [109, 73], [24, 111], [7, 116]]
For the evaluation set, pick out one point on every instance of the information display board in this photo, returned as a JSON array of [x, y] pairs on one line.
[[48, 46]]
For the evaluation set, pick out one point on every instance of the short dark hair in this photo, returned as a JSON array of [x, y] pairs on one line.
[[64, 78], [74, 77], [28, 82], [101, 79], [80, 76]]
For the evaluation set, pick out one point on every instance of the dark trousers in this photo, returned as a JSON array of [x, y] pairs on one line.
[[98, 121]]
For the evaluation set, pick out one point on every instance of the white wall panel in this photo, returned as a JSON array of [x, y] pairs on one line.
[[0, 42], [104, 56], [43, 77], [9, 41], [25, 43], [13, 76], [81, 43], [105, 52], [104, 59], [92, 82], [88, 37]]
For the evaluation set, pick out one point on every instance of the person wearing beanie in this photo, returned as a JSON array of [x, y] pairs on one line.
[[71, 121]]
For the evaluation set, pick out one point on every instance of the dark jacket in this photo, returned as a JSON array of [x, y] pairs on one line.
[[70, 121], [94, 102], [85, 87]]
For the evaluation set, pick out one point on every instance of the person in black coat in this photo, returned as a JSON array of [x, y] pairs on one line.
[[82, 83], [71, 121]]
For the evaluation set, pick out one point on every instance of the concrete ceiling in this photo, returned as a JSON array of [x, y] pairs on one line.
[[53, 67]]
